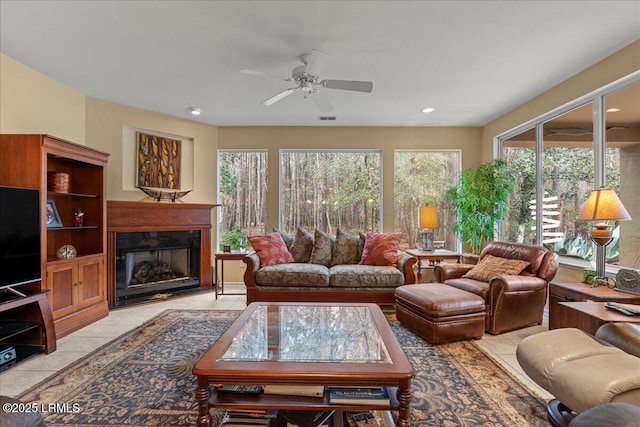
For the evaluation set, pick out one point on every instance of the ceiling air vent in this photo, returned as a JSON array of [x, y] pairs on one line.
[[327, 117]]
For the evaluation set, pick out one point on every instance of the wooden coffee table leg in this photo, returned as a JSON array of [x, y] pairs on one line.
[[202, 395], [404, 398]]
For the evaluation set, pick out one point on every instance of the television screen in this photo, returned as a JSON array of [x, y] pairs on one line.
[[19, 236]]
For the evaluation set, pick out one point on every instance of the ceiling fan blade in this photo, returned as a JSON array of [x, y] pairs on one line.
[[322, 104], [354, 85], [278, 97], [256, 73], [316, 62]]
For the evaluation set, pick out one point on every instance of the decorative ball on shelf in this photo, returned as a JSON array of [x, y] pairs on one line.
[[66, 252]]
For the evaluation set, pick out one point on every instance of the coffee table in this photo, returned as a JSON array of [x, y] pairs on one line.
[[328, 344]]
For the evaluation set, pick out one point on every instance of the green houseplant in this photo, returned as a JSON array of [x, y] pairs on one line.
[[235, 239], [480, 201]]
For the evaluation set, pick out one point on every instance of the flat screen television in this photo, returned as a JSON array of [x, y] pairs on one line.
[[19, 236]]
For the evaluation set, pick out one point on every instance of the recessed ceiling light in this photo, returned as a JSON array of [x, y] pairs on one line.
[[428, 110], [612, 110], [195, 111]]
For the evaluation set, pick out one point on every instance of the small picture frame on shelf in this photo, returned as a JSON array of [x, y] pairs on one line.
[[53, 217]]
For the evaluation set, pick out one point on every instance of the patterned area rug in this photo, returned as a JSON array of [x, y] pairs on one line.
[[143, 378]]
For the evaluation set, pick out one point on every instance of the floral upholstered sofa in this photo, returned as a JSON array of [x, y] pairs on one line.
[[320, 267]]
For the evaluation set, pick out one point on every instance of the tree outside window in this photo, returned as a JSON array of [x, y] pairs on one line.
[[242, 192], [327, 190], [422, 177]]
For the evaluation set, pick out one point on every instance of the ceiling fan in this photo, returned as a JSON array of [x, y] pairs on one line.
[[307, 79]]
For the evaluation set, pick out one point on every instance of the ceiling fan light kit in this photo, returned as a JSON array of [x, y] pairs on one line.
[[307, 76]]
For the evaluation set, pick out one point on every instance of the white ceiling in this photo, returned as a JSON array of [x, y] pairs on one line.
[[470, 60]]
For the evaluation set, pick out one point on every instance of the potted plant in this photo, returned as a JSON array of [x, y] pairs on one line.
[[479, 201], [235, 239]]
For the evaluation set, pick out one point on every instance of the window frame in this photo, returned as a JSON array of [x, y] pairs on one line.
[[458, 151], [597, 98], [219, 212]]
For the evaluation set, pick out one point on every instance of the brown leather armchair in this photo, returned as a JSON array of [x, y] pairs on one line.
[[512, 301]]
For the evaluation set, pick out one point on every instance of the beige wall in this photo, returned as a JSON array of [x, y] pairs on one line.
[[31, 102], [109, 126], [612, 68], [386, 139]]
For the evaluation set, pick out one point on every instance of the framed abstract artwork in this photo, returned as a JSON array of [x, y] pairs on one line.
[[158, 162]]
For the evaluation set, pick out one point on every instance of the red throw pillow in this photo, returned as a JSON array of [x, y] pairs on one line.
[[271, 249], [381, 249]]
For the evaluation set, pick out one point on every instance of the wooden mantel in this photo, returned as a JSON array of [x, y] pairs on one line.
[[129, 217]]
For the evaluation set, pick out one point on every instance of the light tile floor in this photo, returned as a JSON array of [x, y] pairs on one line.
[[14, 381]]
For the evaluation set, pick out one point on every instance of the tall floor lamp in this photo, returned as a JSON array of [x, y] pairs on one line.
[[428, 221], [602, 205]]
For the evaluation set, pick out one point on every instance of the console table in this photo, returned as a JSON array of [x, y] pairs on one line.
[[562, 316]]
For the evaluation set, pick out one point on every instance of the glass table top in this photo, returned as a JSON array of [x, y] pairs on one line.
[[303, 333]]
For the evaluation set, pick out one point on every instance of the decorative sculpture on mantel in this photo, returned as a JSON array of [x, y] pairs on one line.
[[159, 195]]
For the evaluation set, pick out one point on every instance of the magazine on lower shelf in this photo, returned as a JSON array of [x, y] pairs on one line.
[[359, 395]]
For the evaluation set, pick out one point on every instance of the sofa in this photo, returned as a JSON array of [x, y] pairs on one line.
[[512, 278], [320, 267], [586, 374]]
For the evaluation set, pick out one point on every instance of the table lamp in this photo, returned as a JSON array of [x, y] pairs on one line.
[[602, 205], [428, 221]]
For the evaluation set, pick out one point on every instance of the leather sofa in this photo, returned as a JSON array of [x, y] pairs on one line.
[[584, 372], [512, 301]]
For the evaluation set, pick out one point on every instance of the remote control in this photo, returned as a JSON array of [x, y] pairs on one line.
[[240, 389]]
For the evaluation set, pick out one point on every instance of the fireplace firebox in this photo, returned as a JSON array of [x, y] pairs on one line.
[[156, 250], [148, 263]]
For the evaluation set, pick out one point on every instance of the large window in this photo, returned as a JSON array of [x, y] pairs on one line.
[[559, 158], [328, 190], [422, 177], [242, 192], [519, 223]]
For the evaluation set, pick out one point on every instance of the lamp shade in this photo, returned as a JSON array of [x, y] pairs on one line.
[[428, 217], [603, 204]]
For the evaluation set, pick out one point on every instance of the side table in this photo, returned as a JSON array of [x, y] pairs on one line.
[[220, 258], [562, 316], [433, 258]]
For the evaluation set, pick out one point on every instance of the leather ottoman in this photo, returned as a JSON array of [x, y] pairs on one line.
[[440, 313]]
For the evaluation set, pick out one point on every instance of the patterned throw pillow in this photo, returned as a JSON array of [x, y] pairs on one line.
[[381, 249], [491, 266], [288, 238], [302, 246], [348, 249], [323, 244], [271, 249]]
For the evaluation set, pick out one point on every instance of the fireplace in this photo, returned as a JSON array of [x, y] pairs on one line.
[[148, 263], [155, 250]]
